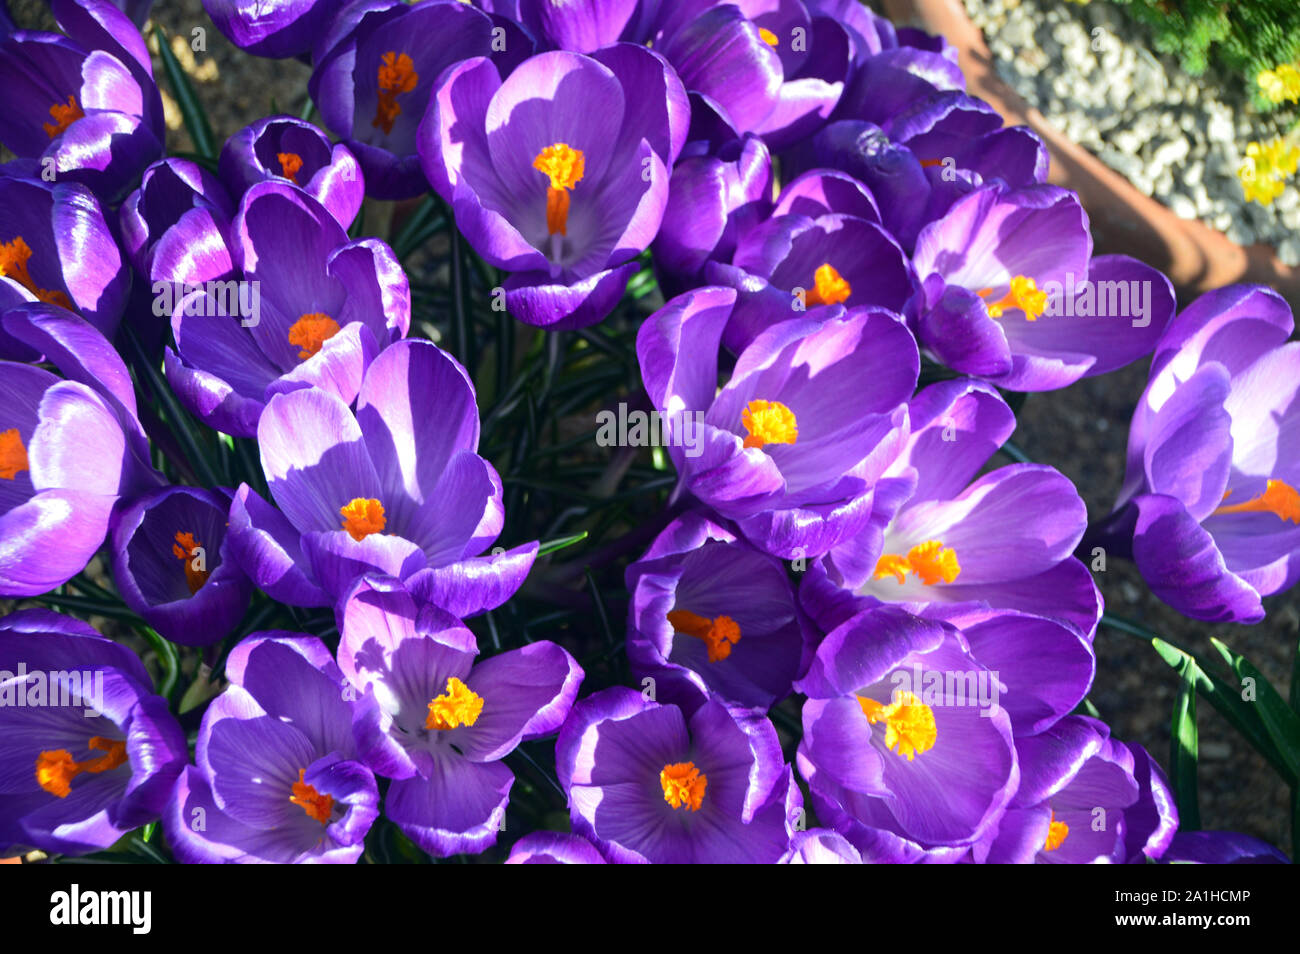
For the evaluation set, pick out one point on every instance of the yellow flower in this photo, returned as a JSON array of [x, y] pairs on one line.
[[1282, 83], [1265, 168]]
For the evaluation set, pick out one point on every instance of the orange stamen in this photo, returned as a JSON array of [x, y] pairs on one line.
[[56, 769], [683, 785], [1023, 294], [459, 705], [909, 723], [564, 166], [397, 75], [931, 561], [829, 287], [1279, 498], [719, 633], [1056, 833], [362, 516], [13, 456], [769, 422], [311, 331], [64, 116], [316, 805], [186, 549], [290, 163], [13, 264]]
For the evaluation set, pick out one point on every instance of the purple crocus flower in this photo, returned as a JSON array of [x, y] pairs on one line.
[[437, 722], [172, 566], [374, 73], [648, 785], [1012, 294], [711, 614], [939, 533], [173, 190], [905, 748], [282, 147], [1211, 496], [88, 751], [277, 779], [1221, 848], [919, 162], [1084, 798], [57, 248], [69, 449], [779, 450], [558, 172], [392, 488], [274, 28], [554, 848], [713, 199], [823, 246], [85, 104], [311, 308], [771, 67]]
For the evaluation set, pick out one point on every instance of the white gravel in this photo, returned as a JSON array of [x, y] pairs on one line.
[[1091, 70]]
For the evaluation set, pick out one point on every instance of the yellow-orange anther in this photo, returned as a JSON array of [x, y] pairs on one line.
[[362, 516], [290, 163], [1056, 833], [56, 769], [310, 332], [909, 723], [768, 36], [1279, 498], [769, 422], [316, 805], [829, 287], [13, 264], [1023, 294], [683, 785], [564, 167], [65, 114], [458, 706], [719, 633], [13, 456], [397, 75], [931, 561], [183, 549]]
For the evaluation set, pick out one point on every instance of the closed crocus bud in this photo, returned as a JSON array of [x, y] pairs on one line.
[[274, 28], [171, 190]]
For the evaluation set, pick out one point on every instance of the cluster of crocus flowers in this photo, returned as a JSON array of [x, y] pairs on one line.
[[832, 221]]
